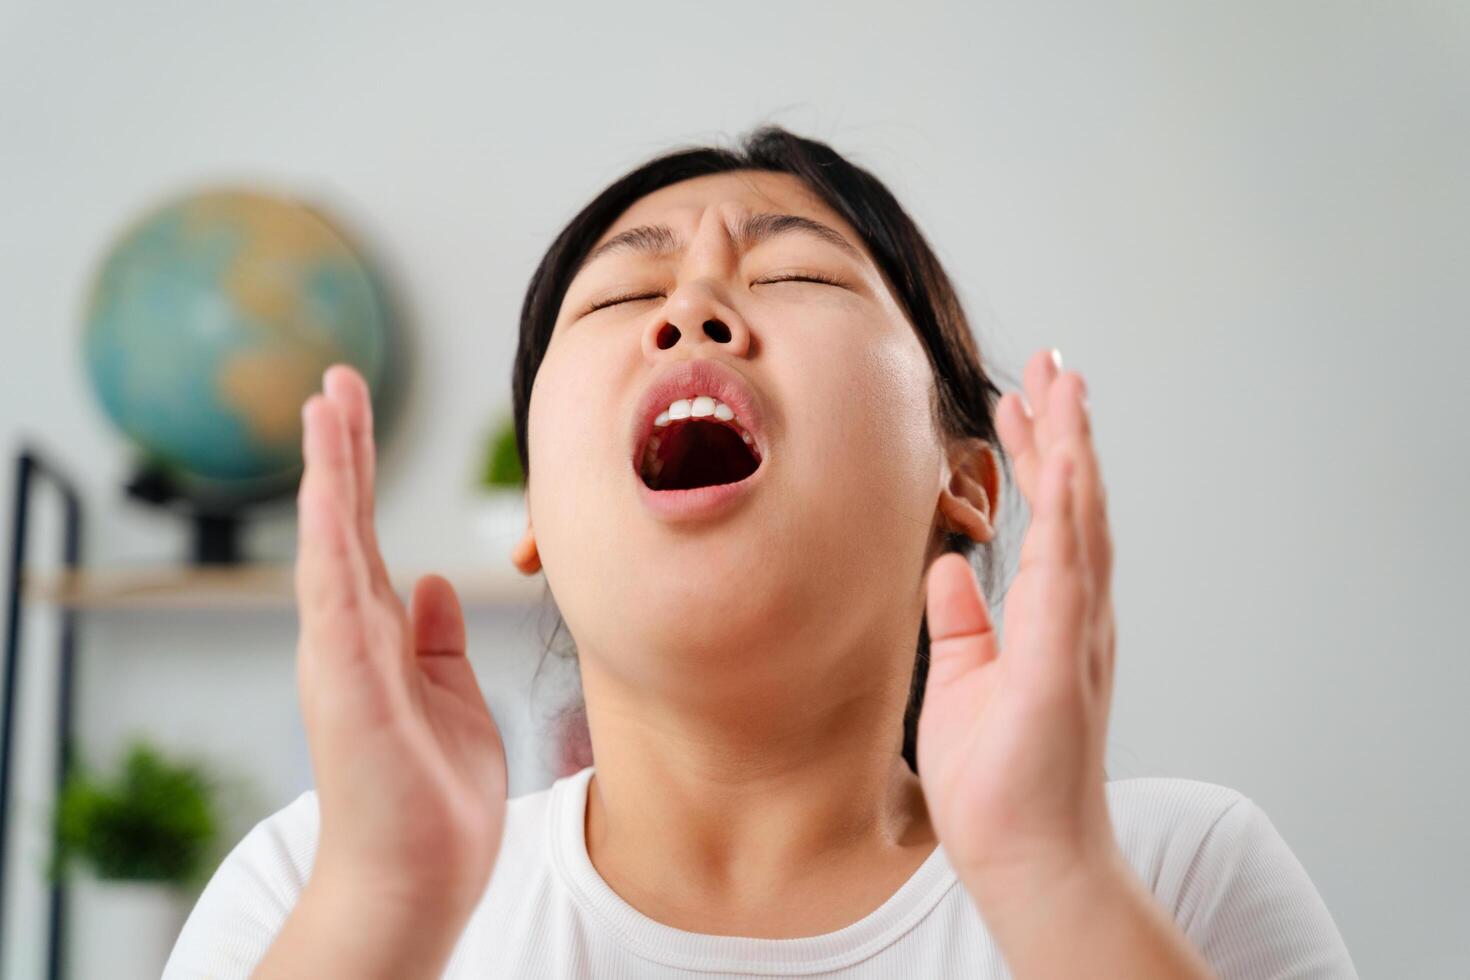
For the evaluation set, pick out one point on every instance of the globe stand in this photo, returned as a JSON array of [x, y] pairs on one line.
[[217, 539], [216, 532]]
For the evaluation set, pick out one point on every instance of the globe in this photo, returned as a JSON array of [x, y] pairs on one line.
[[210, 322]]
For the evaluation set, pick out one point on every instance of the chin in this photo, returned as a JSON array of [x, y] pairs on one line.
[[710, 611]]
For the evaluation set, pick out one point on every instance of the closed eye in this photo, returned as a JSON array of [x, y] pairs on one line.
[[802, 277], [616, 300], [815, 277]]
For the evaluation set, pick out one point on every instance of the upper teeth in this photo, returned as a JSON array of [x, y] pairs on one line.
[[697, 407]]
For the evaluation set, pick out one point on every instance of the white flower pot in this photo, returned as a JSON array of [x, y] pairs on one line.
[[122, 929], [500, 520]]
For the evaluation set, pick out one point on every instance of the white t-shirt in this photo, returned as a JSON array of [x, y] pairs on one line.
[[1208, 854]]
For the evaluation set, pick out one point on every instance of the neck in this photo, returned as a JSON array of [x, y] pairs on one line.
[[720, 805]]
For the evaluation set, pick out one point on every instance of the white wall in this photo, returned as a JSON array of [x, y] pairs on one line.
[[1248, 224]]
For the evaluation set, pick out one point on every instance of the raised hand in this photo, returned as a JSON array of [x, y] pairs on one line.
[[409, 765], [1011, 743]]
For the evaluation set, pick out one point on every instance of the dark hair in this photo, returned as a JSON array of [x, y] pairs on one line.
[[964, 394]]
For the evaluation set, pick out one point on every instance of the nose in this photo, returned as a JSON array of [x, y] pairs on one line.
[[695, 315]]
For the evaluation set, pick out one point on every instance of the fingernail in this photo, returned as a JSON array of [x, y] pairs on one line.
[[305, 415], [1056, 358]]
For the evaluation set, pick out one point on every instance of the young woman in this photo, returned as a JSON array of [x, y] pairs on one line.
[[760, 447]]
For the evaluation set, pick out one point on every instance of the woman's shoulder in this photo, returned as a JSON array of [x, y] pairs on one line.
[[1173, 829], [1148, 807], [526, 838], [1215, 859], [279, 850], [285, 841], [247, 900]]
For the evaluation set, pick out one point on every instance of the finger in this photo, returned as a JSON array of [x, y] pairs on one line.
[[438, 621], [1073, 429], [1037, 377], [1021, 421], [439, 639], [1074, 432], [1052, 555], [332, 584], [1017, 435], [349, 391], [961, 633], [1050, 538]]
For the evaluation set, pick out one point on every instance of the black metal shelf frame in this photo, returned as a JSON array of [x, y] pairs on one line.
[[31, 470]]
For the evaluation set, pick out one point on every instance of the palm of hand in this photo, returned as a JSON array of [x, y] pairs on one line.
[[409, 764], [1011, 744]]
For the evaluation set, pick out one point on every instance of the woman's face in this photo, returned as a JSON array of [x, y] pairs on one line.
[[824, 549]]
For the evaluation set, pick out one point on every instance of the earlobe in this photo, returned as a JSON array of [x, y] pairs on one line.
[[524, 555]]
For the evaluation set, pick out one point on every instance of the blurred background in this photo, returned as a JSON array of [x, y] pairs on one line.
[[1248, 224]]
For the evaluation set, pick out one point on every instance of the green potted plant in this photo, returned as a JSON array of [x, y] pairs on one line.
[[501, 488], [133, 848]]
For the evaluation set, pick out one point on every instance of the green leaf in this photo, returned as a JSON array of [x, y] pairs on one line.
[[502, 463], [155, 821]]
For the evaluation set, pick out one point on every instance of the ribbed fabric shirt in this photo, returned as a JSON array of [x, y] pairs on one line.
[[1208, 854]]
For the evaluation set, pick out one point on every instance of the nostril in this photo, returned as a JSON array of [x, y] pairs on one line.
[[668, 335], [717, 331]]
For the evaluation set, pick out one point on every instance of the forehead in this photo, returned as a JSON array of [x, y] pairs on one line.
[[683, 204]]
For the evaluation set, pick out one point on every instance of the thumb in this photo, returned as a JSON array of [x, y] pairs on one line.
[[961, 634], [438, 623], [439, 640]]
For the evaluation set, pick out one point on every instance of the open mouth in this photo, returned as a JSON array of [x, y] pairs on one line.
[[697, 452]]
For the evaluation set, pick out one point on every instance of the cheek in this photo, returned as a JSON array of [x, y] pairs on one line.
[[573, 449], [884, 440], [868, 469]]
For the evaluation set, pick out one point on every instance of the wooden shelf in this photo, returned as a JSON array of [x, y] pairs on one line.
[[257, 586]]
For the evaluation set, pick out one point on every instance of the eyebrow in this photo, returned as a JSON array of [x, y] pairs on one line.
[[659, 241]]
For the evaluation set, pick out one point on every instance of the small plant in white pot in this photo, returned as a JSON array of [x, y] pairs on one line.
[[501, 487], [134, 851]]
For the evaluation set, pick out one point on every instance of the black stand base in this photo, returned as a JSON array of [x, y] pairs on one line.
[[216, 532], [216, 539]]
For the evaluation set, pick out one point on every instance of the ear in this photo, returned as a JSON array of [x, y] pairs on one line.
[[971, 489], [524, 555]]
